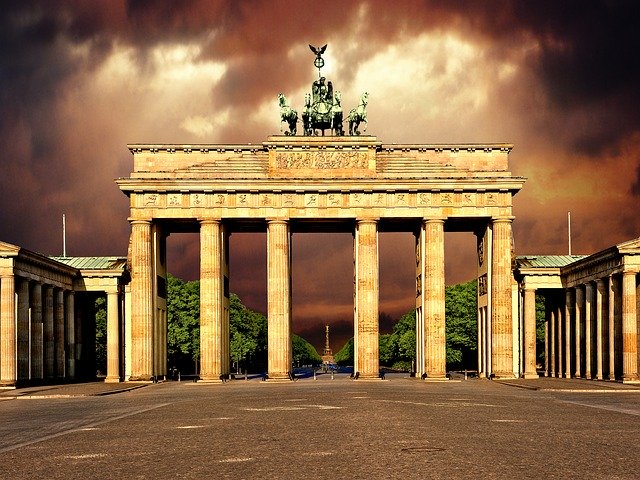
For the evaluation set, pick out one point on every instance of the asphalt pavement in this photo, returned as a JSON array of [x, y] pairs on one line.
[[397, 428]]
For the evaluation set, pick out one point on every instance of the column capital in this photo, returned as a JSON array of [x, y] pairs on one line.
[[209, 221], [367, 220], [434, 220], [503, 219], [276, 221], [139, 221]]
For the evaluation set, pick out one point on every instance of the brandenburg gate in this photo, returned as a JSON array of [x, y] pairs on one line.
[[334, 183], [339, 182]]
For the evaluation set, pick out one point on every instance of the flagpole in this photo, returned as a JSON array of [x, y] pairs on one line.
[[64, 235], [569, 224]]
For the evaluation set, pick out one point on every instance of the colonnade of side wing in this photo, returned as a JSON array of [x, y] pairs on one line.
[[592, 329]]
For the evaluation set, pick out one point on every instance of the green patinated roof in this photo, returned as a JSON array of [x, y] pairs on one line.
[[546, 261], [93, 263]]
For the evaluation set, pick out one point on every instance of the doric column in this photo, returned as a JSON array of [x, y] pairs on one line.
[[113, 336], [579, 330], [612, 328], [37, 351], [530, 333], [279, 299], [546, 347], [561, 335], [629, 327], [568, 313], [8, 348], [367, 297], [70, 334], [601, 311], [142, 314], [48, 333], [23, 326], [551, 320], [58, 321], [434, 313], [501, 323], [588, 336], [212, 342]]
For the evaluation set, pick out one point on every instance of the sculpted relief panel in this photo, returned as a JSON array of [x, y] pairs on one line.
[[347, 203]]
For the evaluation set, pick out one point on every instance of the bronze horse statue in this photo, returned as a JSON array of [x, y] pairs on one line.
[[358, 115], [288, 115]]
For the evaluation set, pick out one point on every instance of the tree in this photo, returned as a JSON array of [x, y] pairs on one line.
[[101, 333], [304, 353], [345, 355], [461, 325], [248, 333], [183, 315]]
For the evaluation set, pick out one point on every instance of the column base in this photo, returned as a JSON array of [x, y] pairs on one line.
[[7, 386], [435, 379], [530, 376], [210, 381], [278, 380], [141, 378], [112, 380], [631, 380]]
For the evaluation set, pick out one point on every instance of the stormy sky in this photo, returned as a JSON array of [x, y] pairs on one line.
[[81, 79]]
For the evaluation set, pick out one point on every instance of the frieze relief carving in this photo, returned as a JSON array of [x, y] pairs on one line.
[[321, 200], [322, 160], [174, 200]]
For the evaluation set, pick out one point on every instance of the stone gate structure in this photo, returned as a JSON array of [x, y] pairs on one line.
[[291, 184]]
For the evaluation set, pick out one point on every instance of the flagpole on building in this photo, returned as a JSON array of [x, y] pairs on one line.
[[569, 224], [64, 235]]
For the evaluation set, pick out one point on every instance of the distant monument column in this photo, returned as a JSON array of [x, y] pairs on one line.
[[367, 292], [212, 342], [434, 292], [501, 322], [142, 315], [629, 327], [7, 330], [280, 356]]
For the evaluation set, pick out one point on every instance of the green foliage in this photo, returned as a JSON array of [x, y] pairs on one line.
[[304, 353], [183, 314], [345, 355], [101, 333], [461, 324], [248, 335]]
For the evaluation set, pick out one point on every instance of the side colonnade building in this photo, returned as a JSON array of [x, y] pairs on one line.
[[47, 316], [592, 312]]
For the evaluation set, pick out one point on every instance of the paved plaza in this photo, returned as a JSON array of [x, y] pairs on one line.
[[398, 428]]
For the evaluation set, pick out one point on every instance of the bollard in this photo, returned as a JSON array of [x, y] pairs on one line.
[[331, 374], [465, 373], [314, 374], [178, 376]]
